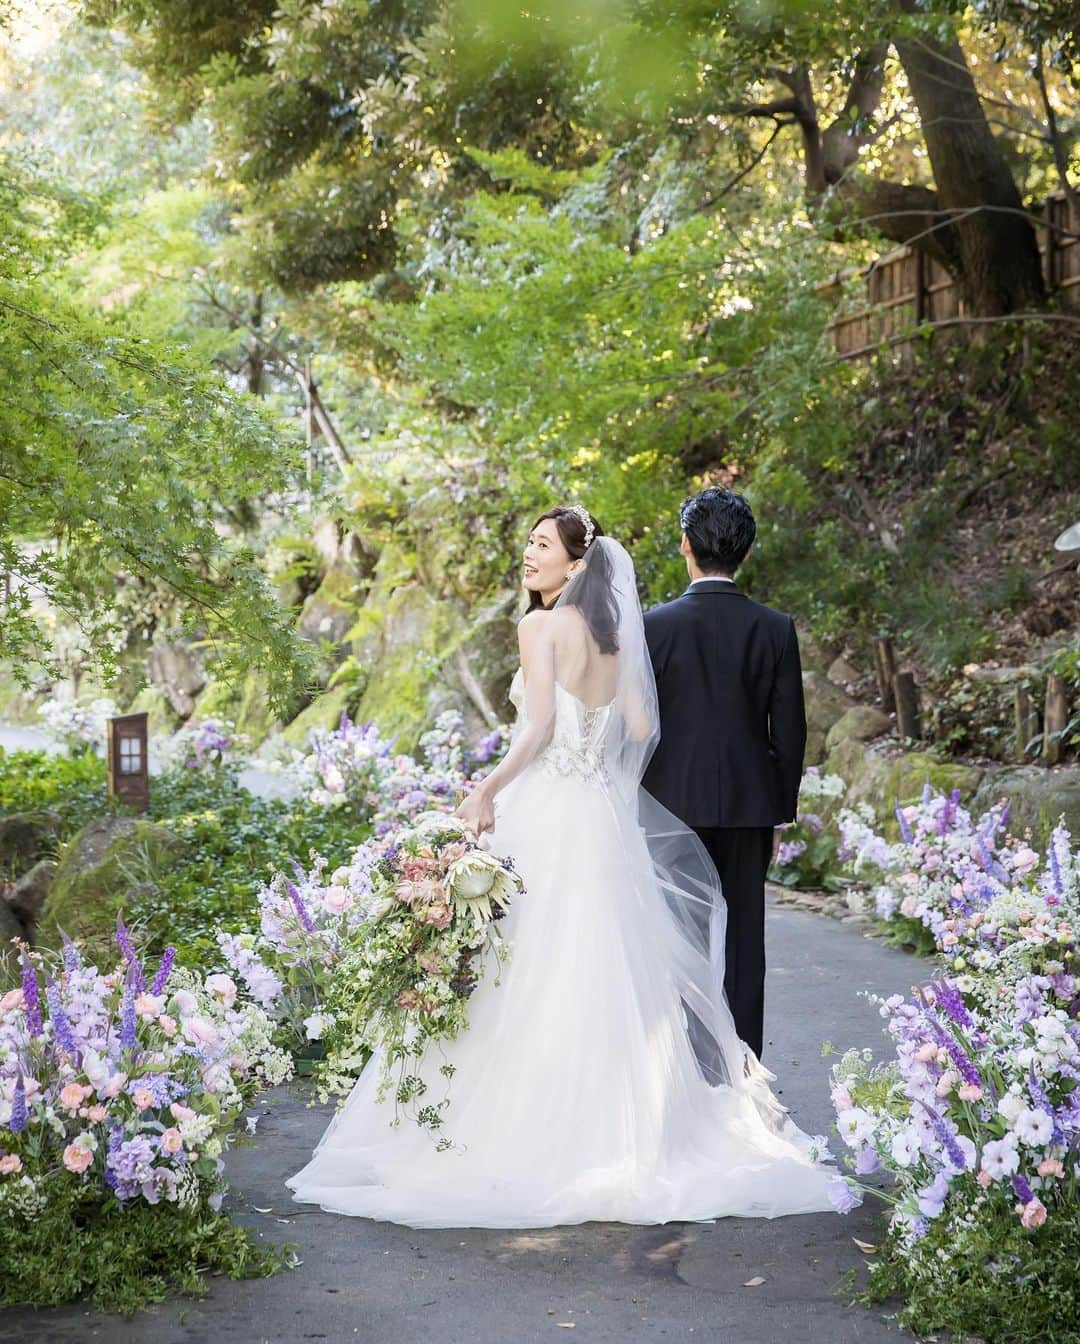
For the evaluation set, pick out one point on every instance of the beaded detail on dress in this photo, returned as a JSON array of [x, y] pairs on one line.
[[576, 749]]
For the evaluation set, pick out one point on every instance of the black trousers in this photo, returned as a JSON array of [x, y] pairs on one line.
[[741, 856]]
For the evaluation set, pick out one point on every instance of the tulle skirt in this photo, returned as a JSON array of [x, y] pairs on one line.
[[576, 1094]]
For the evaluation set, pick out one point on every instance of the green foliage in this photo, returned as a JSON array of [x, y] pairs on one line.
[[122, 1258], [976, 1292], [71, 786]]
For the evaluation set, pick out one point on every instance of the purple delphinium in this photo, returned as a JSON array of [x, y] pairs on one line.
[[19, 1118], [1024, 1192], [31, 997], [72, 960], [306, 922], [127, 947], [905, 829], [127, 1013], [947, 1139], [948, 998], [163, 970], [62, 1032]]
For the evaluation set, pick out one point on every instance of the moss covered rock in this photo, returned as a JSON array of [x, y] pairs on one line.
[[98, 870], [26, 837], [826, 704], [861, 723], [244, 704], [323, 713], [885, 778], [328, 616], [1039, 798]]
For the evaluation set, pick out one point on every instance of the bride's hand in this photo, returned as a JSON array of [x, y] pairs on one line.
[[478, 810]]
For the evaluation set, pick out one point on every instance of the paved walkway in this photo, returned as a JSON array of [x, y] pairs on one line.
[[594, 1284]]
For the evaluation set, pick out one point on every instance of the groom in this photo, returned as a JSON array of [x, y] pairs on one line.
[[732, 730]]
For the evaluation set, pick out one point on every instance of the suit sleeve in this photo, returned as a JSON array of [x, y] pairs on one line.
[[787, 724]]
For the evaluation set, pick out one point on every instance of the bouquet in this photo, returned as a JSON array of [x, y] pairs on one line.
[[409, 971], [808, 851]]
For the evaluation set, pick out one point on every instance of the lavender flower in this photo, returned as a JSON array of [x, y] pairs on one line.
[[127, 1013], [164, 967], [948, 997], [31, 997], [127, 947], [306, 922], [1024, 1192], [65, 1038], [947, 1139], [905, 829], [19, 1118], [72, 960]]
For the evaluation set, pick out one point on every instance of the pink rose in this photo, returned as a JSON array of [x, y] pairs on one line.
[[9, 1163], [438, 915], [969, 1092], [171, 1142], [945, 1083], [167, 1024], [97, 1114], [181, 1112], [113, 1087], [926, 1052], [72, 1096], [143, 1098], [224, 987], [147, 1005], [1050, 1166], [338, 899], [1034, 1214], [199, 1029], [431, 962], [984, 1178], [77, 1158], [408, 999], [12, 999]]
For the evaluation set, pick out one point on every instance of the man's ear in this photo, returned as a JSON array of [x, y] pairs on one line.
[[684, 546], [746, 553]]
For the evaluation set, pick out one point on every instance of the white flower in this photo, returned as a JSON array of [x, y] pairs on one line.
[[1000, 1158], [905, 1147], [1033, 1127], [1010, 1106], [856, 1126], [315, 1026]]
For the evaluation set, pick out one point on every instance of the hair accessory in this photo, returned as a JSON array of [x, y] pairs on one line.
[[586, 522]]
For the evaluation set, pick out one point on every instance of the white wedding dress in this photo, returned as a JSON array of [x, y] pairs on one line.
[[576, 1093]]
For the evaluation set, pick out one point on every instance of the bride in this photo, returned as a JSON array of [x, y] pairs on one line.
[[602, 1078]]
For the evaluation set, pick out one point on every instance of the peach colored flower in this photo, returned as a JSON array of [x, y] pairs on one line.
[[12, 999], [1034, 1214], [926, 1052], [97, 1114], [171, 1142], [181, 1112], [9, 1163], [143, 1098], [199, 1029], [1050, 1166], [945, 1083], [969, 1092], [431, 962], [224, 987], [408, 998], [167, 1024], [72, 1096], [113, 1086], [77, 1157], [438, 915], [338, 899], [984, 1178], [147, 1005]]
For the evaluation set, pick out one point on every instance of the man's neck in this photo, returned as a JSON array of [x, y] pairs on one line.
[[696, 576]]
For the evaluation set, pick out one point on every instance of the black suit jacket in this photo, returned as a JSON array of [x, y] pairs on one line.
[[732, 717]]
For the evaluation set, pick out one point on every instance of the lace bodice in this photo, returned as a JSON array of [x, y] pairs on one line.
[[576, 749]]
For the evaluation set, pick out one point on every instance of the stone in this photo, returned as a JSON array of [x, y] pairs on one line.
[[323, 713], [26, 837], [10, 927], [841, 673], [328, 616], [27, 897], [177, 670], [1000, 676], [861, 723], [884, 778], [1039, 797], [326, 537], [825, 705], [246, 706], [100, 870]]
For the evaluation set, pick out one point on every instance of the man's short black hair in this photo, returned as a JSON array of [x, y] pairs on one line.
[[720, 527]]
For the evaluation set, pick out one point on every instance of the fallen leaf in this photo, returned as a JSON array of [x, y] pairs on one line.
[[755, 1282], [866, 1247], [567, 1325], [258, 1210]]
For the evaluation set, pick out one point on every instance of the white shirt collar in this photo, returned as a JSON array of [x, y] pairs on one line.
[[712, 578]]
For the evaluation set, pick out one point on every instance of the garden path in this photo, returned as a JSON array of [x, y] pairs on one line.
[[384, 1284]]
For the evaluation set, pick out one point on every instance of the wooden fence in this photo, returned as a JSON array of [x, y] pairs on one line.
[[905, 288]]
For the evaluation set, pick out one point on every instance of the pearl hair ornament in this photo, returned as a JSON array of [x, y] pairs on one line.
[[586, 522]]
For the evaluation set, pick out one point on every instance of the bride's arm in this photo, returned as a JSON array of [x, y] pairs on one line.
[[536, 642]]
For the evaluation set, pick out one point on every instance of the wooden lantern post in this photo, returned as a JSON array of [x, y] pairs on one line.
[[129, 776]]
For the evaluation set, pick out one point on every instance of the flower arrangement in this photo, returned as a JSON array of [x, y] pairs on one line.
[[119, 1091], [205, 745], [306, 924], [408, 973], [977, 1118], [807, 856], [79, 727]]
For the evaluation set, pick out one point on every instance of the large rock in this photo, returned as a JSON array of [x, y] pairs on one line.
[[177, 670], [1039, 797], [861, 723], [328, 616], [100, 869], [27, 897], [26, 837], [245, 705], [885, 778], [826, 704], [10, 927], [323, 713]]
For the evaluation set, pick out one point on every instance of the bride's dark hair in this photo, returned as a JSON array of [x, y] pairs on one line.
[[591, 590]]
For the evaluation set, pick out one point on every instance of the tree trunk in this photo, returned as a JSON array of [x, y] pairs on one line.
[[997, 264]]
